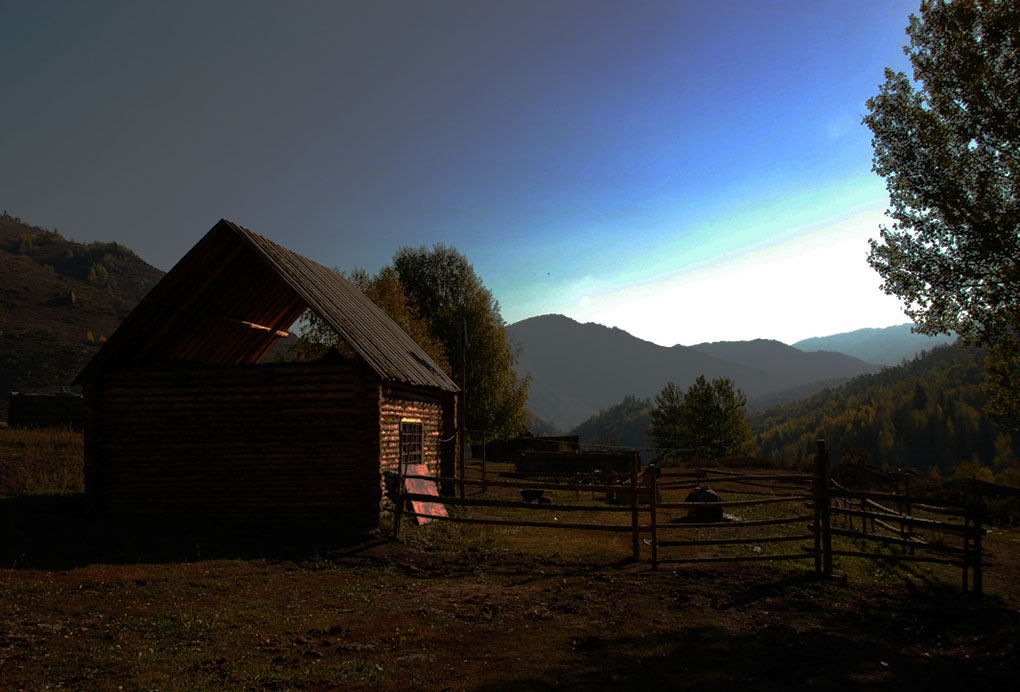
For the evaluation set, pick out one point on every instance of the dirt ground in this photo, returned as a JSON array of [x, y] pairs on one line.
[[89, 606]]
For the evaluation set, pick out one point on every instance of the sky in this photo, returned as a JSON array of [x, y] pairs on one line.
[[686, 171]]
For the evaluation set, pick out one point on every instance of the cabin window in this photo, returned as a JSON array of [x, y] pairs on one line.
[[410, 443]]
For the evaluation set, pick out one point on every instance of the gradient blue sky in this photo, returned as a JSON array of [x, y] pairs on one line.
[[687, 171]]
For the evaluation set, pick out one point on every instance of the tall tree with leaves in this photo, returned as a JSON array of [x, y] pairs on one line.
[[385, 290], [667, 434], [707, 422], [949, 150], [448, 293]]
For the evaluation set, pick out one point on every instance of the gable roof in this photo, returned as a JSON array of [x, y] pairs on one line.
[[228, 300]]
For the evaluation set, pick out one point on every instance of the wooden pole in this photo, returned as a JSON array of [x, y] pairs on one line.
[[909, 510], [823, 525], [463, 397], [979, 585], [484, 487], [652, 492], [399, 509], [635, 526], [899, 510], [966, 548], [816, 488], [826, 513]]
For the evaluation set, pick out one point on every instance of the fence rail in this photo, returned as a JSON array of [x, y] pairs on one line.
[[893, 517]]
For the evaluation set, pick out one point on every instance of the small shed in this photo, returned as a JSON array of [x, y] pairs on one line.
[[44, 410], [182, 419]]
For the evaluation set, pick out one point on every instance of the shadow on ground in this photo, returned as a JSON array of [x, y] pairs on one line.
[[62, 532], [777, 635]]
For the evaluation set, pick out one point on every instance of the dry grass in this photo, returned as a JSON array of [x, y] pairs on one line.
[[35, 462]]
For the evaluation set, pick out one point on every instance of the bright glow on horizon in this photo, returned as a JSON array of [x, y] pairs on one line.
[[812, 286], [785, 269]]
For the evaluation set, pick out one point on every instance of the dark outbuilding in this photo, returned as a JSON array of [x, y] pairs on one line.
[[182, 419]]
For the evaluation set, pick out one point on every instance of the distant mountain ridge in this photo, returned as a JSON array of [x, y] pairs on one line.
[[884, 346], [578, 369]]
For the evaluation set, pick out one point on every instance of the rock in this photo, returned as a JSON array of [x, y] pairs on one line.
[[707, 513]]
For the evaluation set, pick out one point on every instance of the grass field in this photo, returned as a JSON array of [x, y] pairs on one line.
[[40, 461], [88, 603]]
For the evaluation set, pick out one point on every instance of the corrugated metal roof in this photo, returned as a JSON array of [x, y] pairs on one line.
[[204, 308]]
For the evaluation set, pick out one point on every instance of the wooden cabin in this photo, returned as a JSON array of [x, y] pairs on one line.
[[182, 419]]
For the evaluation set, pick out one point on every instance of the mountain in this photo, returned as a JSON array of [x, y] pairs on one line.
[[60, 299], [888, 346], [579, 369]]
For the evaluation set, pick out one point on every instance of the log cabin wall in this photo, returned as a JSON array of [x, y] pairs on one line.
[[435, 411], [393, 410], [280, 441]]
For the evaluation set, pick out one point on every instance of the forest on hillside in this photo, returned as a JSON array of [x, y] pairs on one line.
[[622, 425], [60, 300], [925, 414]]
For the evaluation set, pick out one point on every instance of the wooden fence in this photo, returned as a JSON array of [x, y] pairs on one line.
[[893, 526]]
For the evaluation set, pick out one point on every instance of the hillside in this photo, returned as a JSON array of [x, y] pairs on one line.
[[579, 369], [925, 414], [60, 300], [621, 425], [888, 346]]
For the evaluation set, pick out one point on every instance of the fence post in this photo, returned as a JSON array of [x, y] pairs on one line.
[[826, 515], [399, 509], [816, 490], [463, 465], [966, 546], [823, 535], [653, 491], [635, 525], [910, 511], [979, 585]]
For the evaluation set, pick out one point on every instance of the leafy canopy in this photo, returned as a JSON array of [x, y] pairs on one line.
[[385, 290], [949, 150], [706, 422], [448, 293], [430, 294]]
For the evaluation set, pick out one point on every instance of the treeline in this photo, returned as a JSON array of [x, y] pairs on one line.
[[622, 425], [925, 414]]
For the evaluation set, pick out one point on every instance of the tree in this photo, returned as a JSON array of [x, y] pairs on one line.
[[666, 434], [624, 424], [386, 291], [949, 151], [449, 294], [707, 422], [430, 294]]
